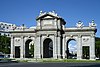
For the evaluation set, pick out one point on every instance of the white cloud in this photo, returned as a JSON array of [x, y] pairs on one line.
[[72, 48]]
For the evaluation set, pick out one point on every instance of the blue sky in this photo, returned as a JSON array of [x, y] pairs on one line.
[[25, 11]]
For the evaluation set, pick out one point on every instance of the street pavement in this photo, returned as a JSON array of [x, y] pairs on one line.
[[59, 64]]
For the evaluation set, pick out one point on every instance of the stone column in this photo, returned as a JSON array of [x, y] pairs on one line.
[[55, 47], [59, 26], [79, 48], [12, 47], [63, 46], [37, 53], [92, 48], [22, 47], [41, 46], [38, 24], [59, 46]]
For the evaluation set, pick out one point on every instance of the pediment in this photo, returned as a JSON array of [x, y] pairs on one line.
[[47, 18], [47, 15]]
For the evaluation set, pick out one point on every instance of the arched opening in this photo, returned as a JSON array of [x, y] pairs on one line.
[[47, 48], [29, 49], [71, 49]]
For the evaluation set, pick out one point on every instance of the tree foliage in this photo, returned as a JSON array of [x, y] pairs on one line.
[[5, 44], [85, 52], [97, 47], [31, 50]]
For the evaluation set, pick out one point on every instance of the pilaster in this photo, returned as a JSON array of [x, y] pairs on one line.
[[22, 47], [55, 47], [37, 53], [59, 24], [63, 46], [79, 48], [59, 46], [12, 47], [41, 46], [92, 48]]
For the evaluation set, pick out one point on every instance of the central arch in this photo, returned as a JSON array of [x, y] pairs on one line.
[[48, 48]]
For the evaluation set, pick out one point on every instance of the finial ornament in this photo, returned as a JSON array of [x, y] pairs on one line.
[[79, 24], [53, 13], [92, 24], [41, 12], [14, 27], [23, 26], [92, 21]]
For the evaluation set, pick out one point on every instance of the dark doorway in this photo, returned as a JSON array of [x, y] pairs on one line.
[[85, 53], [71, 50], [47, 48], [27, 50], [17, 52]]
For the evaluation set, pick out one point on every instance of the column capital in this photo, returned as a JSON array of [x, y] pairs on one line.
[[55, 20], [55, 35], [92, 35], [35, 36], [71, 36], [12, 37], [59, 35], [58, 20], [79, 36], [38, 35], [47, 35], [64, 36], [22, 37]]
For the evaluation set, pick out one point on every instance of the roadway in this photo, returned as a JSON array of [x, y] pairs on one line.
[[59, 64]]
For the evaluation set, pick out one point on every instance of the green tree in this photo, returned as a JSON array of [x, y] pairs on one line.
[[85, 52], [5, 44], [31, 50], [97, 46]]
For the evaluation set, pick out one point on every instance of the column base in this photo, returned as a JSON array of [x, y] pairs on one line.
[[59, 56], [92, 57], [79, 57], [11, 56], [37, 56], [22, 56], [55, 56], [63, 56]]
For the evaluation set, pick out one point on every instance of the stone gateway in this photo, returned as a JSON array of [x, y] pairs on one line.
[[50, 38]]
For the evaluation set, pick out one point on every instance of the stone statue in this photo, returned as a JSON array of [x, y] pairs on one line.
[[79, 24], [92, 24]]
